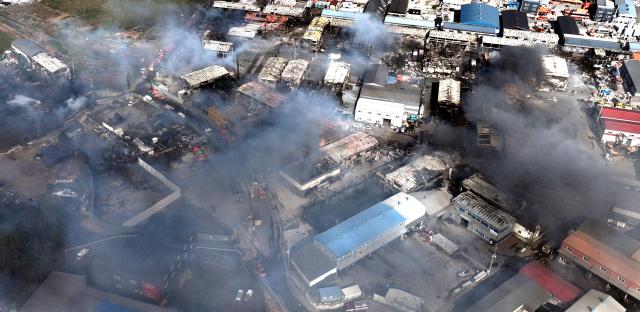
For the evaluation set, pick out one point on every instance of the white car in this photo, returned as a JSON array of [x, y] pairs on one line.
[[248, 295], [83, 252], [239, 294]]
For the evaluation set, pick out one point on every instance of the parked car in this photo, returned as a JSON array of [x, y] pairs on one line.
[[239, 294], [248, 295], [464, 273], [83, 252]]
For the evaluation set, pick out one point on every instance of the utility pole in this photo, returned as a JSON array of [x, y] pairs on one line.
[[493, 258]]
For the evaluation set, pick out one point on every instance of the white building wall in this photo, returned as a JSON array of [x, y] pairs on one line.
[[630, 139], [375, 111]]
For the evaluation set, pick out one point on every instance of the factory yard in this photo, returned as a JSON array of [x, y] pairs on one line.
[[295, 155]]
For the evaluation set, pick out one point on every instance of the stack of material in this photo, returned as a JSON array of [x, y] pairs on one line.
[[294, 72]]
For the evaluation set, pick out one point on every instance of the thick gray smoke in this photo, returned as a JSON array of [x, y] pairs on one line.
[[545, 156]]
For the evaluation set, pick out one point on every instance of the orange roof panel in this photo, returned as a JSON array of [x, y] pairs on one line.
[[604, 255]]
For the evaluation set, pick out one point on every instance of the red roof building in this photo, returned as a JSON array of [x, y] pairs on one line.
[[620, 126], [600, 256], [550, 281]]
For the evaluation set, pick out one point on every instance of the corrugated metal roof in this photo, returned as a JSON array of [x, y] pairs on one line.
[[449, 91], [27, 47], [262, 94], [205, 75], [621, 127], [371, 223], [469, 28], [236, 6], [348, 146], [330, 294], [218, 46], [414, 22], [479, 14], [498, 219], [342, 14], [619, 114], [272, 69], [592, 42], [489, 192], [595, 301], [410, 175], [634, 46], [628, 8], [516, 293], [283, 10], [550, 281], [604, 255], [294, 71], [50, 63]]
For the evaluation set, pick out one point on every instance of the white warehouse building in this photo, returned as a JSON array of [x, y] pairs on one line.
[[388, 105], [356, 237]]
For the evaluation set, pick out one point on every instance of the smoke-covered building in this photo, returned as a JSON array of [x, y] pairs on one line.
[[421, 173], [141, 268], [220, 47], [490, 193], [64, 292], [449, 96], [348, 148], [294, 72], [528, 290], [556, 72], [337, 76], [205, 76], [305, 176], [356, 237], [383, 104], [272, 71], [34, 54], [258, 96], [605, 252], [479, 216]]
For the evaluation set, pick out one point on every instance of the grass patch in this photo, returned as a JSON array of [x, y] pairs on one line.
[[123, 13], [5, 41]]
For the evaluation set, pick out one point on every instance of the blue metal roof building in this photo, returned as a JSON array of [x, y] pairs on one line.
[[634, 46], [627, 8], [470, 28], [370, 229], [479, 14]]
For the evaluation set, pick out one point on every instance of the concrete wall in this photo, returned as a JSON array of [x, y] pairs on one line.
[[161, 204]]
